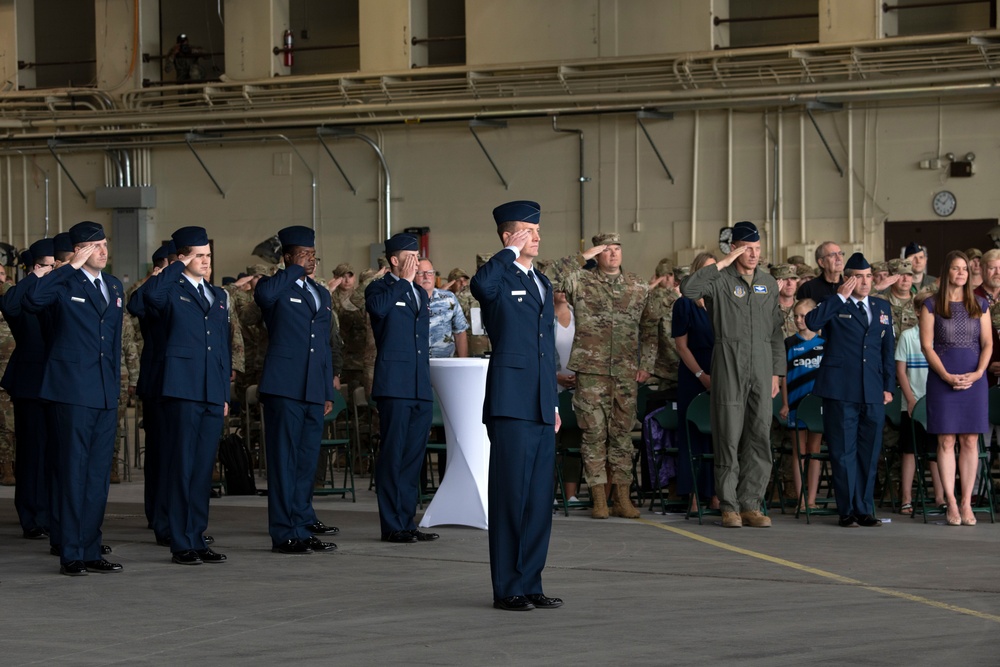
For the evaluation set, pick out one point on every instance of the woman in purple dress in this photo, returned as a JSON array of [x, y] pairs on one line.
[[956, 338]]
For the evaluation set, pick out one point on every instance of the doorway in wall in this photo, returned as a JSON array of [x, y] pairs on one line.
[[940, 237]]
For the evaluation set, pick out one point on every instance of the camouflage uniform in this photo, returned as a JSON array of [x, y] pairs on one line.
[[661, 314], [6, 404], [613, 342], [447, 320], [354, 332], [129, 378]]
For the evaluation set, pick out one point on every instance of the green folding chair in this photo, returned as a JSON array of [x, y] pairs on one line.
[[567, 446], [985, 490], [810, 413], [331, 447], [669, 419], [698, 420]]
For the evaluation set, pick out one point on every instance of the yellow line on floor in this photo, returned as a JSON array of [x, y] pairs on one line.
[[822, 573]]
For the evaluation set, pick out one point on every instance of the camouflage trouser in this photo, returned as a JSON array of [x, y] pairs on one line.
[[6, 428], [605, 410]]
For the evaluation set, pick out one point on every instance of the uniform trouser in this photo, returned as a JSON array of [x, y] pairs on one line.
[[605, 411], [31, 495], [742, 439], [853, 433], [293, 430], [152, 462], [191, 431], [86, 445], [522, 458], [52, 475], [404, 427]]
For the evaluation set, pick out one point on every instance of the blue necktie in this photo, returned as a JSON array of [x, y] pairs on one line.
[[862, 314]]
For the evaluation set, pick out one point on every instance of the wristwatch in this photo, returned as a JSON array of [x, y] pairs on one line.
[[699, 374]]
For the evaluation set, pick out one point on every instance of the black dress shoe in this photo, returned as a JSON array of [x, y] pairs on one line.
[[102, 566], [424, 537], [187, 558], [163, 541], [400, 537], [514, 603], [209, 556], [542, 602], [74, 568], [320, 528], [208, 539], [848, 521], [292, 547], [36, 534], [105, 549], [316, 544], [868, 521]]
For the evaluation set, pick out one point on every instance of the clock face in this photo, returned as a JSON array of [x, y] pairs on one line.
[[944, 203]]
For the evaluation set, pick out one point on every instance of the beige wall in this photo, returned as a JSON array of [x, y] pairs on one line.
[[442, 180]]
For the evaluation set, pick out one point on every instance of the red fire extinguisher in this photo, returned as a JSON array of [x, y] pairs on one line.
[[288, 41]]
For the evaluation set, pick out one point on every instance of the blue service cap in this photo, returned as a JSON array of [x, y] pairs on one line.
[[86, 232], [297, 235], [912, 248], [228, 280], [518, 211], [42, 248], [745, 231], [857, 262], [62, 242], [401, 242], [188, 237], [161, 253], [27, 260]]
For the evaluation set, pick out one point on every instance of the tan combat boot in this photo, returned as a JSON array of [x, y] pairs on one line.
[[755, 519], [731, 520], [600, 499], [623, 504]]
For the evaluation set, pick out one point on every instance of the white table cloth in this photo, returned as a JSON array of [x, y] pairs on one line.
[[461, 499]]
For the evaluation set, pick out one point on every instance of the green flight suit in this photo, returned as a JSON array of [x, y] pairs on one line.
[[749, 350]]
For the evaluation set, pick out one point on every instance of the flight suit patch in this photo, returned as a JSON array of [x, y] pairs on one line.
[[740, 291], [760, 289]]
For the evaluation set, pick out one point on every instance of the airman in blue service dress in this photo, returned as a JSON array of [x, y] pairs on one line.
[[296, 389], [148, 391], [23, 381], [402, 388], [194, 389], [855, 380], [519, 409], [83, 308]]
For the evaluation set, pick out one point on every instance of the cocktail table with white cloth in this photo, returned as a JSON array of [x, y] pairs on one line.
[[461, 499]]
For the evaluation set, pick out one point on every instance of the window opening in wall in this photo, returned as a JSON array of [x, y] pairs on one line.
[[192, 42], [771, 22], [445, 38], [65, 51], [325, 36], [923, 17]]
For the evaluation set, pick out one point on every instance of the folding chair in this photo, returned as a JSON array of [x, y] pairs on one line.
[[810, 413], [253, 428], [778, 453], [698, 420], [433, 449], [331, 447], [669, 419], [985, 489], [567, 446], [642, 397]]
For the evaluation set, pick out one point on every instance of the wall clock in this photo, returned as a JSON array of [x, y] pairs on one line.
[[944, 203]]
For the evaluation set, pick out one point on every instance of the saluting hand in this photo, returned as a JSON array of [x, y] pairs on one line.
[[81, 256], [408, 268], [731, 257], [594, 252], [887, 283], [846, 289], [519, 239], [334, 283], [42, 270]]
